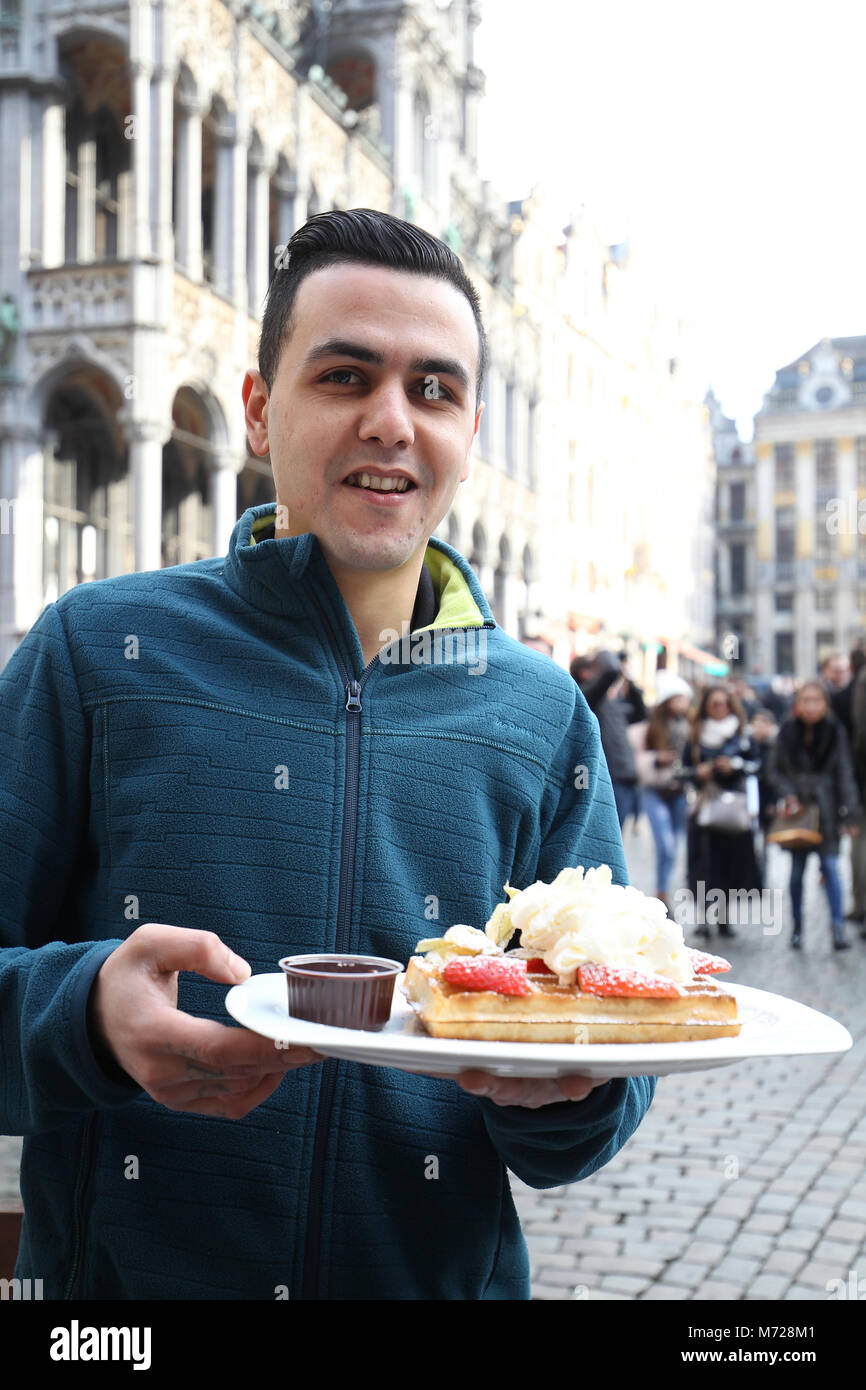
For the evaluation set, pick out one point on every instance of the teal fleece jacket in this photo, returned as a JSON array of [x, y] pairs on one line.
[[204, 746]]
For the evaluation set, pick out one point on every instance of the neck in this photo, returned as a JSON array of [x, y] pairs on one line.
[[376, 599], [379, 600]]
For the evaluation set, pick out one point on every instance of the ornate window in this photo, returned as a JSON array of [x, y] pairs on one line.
[[187, 511], [86, 530], [97, 156], [784, 465]]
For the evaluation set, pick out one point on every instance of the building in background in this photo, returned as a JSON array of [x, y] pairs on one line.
[[156, 156], [810, 508], [736, 533]]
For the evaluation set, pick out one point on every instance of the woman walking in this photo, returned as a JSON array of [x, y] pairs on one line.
[[811, 765], [721, 844], [659, 745]]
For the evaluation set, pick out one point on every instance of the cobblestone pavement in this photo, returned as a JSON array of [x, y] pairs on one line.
[[745, 1182]]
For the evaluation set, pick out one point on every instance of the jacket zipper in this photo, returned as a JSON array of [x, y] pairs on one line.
[[84, 1173], [310, 1279], [353, 688]]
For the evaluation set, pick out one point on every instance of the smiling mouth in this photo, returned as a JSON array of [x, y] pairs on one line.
[[371, 482]]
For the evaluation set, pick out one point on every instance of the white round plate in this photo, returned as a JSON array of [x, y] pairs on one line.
[[773, 1026]]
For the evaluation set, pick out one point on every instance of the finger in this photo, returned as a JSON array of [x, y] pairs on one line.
[[531, 1091], [189, 1073], [579, 1087], [228, 1107], [221, 1046], [195, 1087], [164, 949]]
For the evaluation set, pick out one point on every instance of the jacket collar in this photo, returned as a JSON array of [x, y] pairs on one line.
[[290, 577]]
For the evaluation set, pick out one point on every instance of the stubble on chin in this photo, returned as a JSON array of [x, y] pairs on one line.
[[372, 552]]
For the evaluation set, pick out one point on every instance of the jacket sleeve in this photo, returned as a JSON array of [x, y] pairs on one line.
[[562, 1143], [48, 1071]]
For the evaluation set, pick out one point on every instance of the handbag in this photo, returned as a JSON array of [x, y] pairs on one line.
[[799, 831], [726, 812]]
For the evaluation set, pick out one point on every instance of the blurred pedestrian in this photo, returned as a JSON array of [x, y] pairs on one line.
[[811, 766], [659, 743], [763, 732], [747, 697], [721, 845], [630, 693], [841, 696], [835, 677], [858, 748], [596, 676]]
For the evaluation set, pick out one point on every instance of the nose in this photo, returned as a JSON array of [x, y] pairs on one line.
[[386, 416]]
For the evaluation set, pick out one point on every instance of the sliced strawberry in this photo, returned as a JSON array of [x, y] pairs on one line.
[[487, 972], [705, 964], [610, 979], [536, 966]]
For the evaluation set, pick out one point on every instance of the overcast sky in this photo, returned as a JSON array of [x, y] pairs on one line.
[[724, 139]]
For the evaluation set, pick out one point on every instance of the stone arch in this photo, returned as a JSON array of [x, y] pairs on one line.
[[216, 123], [86, 499], [80, 354], [197, 433], [98, 201], [210, 405]]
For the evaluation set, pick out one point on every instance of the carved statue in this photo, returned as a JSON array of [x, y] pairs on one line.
[[10, 325]]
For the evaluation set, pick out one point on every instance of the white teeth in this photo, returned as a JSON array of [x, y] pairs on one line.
[[380, 484]]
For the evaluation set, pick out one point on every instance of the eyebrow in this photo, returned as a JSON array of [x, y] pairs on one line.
[[430, 366]]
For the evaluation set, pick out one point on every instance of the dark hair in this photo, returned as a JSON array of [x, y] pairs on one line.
[[367, 237], [700, 712], [579, 667]]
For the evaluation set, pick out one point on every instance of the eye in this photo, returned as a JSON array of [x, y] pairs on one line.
[[339, 371], [434, 389]]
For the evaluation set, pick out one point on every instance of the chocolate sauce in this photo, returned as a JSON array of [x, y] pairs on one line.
[[340, 967], [361, 999]]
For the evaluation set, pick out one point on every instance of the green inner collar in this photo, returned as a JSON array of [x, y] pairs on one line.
[[457, 607]]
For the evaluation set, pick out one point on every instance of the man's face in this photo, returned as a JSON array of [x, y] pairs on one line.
[[377, 378], [837, 671]]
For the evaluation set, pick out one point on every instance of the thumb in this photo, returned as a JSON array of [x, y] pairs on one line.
[[166, 949]]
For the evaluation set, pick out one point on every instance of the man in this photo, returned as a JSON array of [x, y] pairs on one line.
[[237, 754], [597, 677], [857, 731], [835, 672], [838, 675]]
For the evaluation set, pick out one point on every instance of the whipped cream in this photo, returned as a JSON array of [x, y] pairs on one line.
[[584, 917]]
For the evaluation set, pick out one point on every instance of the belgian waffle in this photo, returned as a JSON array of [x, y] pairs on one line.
[[557, 1013]]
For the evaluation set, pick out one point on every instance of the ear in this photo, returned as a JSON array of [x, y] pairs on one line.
[[256, 400]]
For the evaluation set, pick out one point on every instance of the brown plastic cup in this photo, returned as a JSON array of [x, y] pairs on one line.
[[344, 991]]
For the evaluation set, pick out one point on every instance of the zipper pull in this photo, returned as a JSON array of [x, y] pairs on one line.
[[353, 690]]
